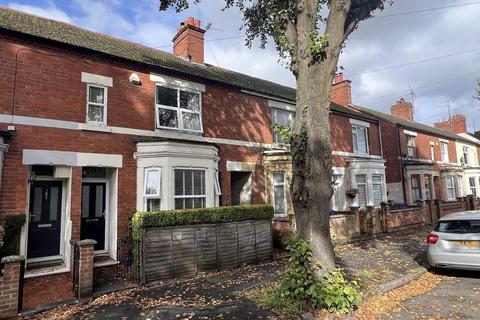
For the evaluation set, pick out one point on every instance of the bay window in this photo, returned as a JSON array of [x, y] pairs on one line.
[[361, 182], [178, 109], [189, 188], [473, 186], [416, 189], [152, 189], [450, 187], [377, 188]]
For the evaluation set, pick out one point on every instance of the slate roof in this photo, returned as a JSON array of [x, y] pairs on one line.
[[31, 25], [412, 125]]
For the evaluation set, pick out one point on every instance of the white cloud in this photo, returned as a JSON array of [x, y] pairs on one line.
[[50, 11]]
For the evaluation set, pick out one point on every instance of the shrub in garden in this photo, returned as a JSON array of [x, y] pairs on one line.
[[11, 234], [299, 282]]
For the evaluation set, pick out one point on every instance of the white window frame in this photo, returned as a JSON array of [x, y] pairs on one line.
[[216, 182], [146, 196], [432, 152], [367, 198], [178, 109], [452, 179], [465, 155], [193, 196], [473, 187], [411, 147], [282, 184], [381, 183], [104, 104], [444, 153], [274, 115], [355, 131], [418, 178]]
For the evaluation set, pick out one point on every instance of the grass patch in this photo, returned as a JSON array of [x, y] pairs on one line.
[[269, 297]]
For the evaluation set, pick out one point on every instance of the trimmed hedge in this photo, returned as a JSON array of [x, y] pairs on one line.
[[141, 220], [11, 238]]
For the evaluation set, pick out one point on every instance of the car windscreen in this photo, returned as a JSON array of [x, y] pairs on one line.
[[458, 226]]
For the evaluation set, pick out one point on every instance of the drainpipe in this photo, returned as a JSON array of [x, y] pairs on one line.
[[3, 150], [380, 137], [402, 166]]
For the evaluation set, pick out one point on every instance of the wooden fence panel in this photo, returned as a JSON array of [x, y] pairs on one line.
[[183, 251], [206, 248], [263, 240], [170, 252], [246, 237], [157, 254], [227, 246]]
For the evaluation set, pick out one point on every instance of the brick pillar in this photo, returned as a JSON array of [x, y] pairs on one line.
[[425, 218], [85, 267], [384, 216], [10, 286]]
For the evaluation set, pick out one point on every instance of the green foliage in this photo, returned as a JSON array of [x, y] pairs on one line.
[[270, 297], [299, 282], [11, 239], [318, 45], [284, 132], [165, 218]]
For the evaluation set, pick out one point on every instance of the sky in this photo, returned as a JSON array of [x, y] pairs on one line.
[[428, 47]]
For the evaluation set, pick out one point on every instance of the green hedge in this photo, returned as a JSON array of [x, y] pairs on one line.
[[11, 239], [166, 218]]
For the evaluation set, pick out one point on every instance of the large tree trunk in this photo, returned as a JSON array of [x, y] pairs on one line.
[[311, 147]]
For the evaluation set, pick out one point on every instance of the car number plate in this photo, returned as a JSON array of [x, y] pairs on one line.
[[469, 243]]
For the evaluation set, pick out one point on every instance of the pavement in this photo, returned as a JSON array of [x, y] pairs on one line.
[[457, 296], [379, 263]]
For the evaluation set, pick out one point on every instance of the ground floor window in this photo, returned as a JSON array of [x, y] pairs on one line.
[[279, 194], [189, 188], [377, 188], [450, 187], [473, 186], [362, 197], [152, 189], [416, 189], [427, 180]]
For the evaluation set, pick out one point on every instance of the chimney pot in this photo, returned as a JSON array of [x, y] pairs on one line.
[[341, 90], [402, 109]]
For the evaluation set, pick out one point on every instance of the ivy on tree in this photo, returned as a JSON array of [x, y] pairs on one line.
[[309, 35]]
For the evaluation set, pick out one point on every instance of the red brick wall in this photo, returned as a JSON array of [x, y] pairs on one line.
[[189, 42], [393, 169], [9, 289], [53, 89], [403, 109], [457, 124]]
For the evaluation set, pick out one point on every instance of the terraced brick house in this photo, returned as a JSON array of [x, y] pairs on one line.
[[94, 128], [423, 162]]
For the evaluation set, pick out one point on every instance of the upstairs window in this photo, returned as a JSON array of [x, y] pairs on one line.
[[282, 118], [96, 104], [465, 155], [432, 152], [178, 109], [360, 139], [411, 146], [444, 151], [152, 189]]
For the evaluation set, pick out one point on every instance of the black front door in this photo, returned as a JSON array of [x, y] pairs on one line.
[[93, 213], [45, 219]]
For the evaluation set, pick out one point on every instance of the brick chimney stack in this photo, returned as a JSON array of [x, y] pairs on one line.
[[403, 109], [456, 124], [189, 41], [341, 90]]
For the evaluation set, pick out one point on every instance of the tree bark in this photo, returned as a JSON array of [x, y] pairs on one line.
[[311, 148]]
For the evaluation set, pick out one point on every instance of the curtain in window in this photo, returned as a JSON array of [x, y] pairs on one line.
[[377, 188], [362, 190], [279, 193]]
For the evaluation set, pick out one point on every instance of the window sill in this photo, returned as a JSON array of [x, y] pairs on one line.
[[95, 127], [178, 132], [281, 218]]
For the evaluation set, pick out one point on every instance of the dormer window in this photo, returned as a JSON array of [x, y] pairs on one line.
[[178, 109]]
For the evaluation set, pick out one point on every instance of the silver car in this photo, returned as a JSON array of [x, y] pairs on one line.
[[455, 241]]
